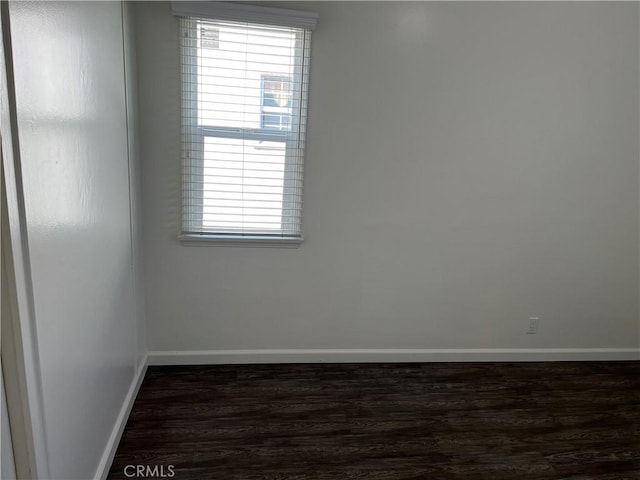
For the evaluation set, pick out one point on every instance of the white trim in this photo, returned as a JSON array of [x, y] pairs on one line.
[[212, 357], [18, 265], [220, 240], [236, 12], [121, 421]]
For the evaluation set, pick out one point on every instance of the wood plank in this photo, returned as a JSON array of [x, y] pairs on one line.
[[524, 421]]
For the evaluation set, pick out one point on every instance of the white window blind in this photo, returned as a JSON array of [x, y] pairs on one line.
[[244, 110]]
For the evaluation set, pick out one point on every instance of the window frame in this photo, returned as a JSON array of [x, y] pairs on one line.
[[194, 137]]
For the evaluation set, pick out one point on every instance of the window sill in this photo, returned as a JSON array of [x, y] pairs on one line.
[[194, 240]]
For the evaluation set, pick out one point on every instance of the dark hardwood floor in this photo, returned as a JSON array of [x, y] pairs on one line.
[[472, 421]]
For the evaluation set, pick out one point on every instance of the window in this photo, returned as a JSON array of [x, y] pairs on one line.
[[276, 102], [245, 73]]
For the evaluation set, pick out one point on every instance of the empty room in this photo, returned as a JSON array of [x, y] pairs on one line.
[[330, 240]]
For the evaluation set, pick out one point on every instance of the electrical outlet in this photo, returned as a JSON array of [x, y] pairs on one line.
[[533, 325]]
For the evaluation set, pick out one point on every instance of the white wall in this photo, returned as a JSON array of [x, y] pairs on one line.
[[70, 95], [468, 165]]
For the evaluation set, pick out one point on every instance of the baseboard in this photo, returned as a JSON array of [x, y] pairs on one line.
[[210, 357], [112, 445]]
